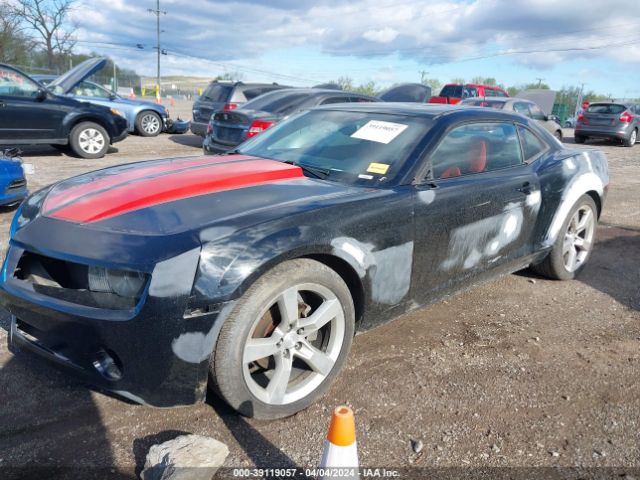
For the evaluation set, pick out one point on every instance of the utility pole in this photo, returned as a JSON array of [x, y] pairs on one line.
[[115, 77], [539, 81], [579, 102], [423, 75], [157, 13]]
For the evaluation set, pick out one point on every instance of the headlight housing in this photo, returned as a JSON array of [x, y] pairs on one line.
[[123, 283]]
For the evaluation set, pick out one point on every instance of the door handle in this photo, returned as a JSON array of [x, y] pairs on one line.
[[525, 188]]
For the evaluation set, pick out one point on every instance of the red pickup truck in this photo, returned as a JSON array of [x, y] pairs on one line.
[[454, 92]]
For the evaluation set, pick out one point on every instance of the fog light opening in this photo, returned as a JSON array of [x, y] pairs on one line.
[[108, 365]]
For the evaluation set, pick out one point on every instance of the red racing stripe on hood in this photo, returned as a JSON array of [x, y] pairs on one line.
[[108, 180], [148, 192]]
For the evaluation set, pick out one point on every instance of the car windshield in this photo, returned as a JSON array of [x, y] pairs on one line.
[[350, 147], [610, 108]]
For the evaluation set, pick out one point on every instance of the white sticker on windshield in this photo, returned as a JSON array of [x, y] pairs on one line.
[[378, 131]]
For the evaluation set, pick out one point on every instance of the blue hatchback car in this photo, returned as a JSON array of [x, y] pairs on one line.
[[13, 184]]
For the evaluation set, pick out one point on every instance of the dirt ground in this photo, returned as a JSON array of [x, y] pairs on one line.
[[520, 372]]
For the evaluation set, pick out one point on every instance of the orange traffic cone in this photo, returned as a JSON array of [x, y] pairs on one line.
[[340, 456]]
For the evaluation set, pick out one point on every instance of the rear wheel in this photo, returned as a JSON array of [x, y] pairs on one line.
[[285, 341], [558, 135], [148, 124], [630, 141], [579, 139], [575, 241], [89, 140]]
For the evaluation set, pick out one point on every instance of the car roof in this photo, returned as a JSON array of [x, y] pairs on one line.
[[426, 110]]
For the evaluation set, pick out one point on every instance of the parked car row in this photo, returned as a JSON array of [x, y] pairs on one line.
[[70, 112]]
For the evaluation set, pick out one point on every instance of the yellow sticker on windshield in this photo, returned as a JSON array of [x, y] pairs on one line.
[[380, 168]]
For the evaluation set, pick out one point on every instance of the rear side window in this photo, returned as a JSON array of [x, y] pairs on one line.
[[476, 148], [451, 91], [489, 92], [217, 93], [611, 108], [532, 146], [330, 100]]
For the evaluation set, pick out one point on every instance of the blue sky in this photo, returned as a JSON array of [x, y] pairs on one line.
[[303, 42]]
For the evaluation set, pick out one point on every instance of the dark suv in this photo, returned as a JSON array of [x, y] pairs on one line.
[[225, 96], [615, 121], [31, 114]]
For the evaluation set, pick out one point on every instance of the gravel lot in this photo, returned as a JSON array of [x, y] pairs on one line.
[[520, 372]]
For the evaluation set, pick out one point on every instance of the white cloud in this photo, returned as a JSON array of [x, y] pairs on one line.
[[384, 35]]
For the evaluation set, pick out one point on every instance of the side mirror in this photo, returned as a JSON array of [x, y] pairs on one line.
[[41, 94]]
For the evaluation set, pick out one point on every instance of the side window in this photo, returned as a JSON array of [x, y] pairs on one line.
[[469, 92], [536, 113], [358, 100], [476, 148], [13, 84], [521, 108], [499, 93], [489, 92], [329, 100], [86, 89], [532, 146]]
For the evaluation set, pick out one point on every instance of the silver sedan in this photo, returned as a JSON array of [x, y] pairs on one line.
[[522, 106]]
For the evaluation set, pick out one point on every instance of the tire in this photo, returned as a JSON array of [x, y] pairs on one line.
[[567, 124], [630, 141], [148, 124], [579, 139], [249, 387], [558, 265], [89, 140], [558, 135]]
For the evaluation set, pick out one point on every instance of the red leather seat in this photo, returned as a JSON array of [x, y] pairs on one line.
[[477, 157]]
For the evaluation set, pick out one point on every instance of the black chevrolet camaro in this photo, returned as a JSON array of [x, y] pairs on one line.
[[250, 272]]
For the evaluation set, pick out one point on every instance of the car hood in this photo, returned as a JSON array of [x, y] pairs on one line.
[[189, 194], [542, 97], [67, 81]]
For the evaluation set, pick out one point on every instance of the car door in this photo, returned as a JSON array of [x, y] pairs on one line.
[[475, 211], [27, 113]]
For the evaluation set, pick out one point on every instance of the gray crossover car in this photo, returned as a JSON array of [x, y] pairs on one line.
[[521, 106], [615, 121], [225, 96]]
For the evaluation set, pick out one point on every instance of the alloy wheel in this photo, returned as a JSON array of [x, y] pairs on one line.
[[91, 140], [294, 344], [150, 124], [578, 238]]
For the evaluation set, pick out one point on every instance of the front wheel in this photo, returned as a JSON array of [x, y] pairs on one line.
[[575, 241], [285, 341], [89, 140], [148, 124]]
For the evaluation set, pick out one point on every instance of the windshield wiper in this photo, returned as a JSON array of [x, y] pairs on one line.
[[317, 172]]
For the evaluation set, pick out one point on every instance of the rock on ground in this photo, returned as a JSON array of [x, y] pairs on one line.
[[187, 457]]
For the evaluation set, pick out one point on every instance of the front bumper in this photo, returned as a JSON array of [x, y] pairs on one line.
[[160, 351], [211, 147]]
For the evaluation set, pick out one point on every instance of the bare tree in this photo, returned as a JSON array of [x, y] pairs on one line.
[[14, 45], [49, 20]]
